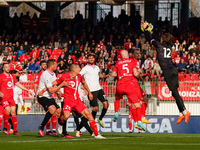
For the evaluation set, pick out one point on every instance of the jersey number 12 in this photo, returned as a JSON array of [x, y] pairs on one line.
[[167, 52]]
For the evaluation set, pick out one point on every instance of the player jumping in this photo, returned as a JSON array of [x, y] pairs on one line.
[[170, 72]]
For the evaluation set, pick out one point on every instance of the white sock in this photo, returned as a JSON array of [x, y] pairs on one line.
[[184, 112], [143, 118], [48, 130]]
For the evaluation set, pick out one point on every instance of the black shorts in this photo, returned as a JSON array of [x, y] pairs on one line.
[[171, 78], [100, 95], [45, 102]]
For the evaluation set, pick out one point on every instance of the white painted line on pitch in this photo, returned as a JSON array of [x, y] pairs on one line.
[[60, 140]]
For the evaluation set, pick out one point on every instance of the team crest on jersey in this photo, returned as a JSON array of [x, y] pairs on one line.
[[9, 84], [71, 84]]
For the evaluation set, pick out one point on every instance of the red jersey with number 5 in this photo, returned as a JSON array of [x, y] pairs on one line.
[[124, 69]]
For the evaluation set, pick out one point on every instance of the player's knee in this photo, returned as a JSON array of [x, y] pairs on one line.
[[95, 108], [66, 116], [52, 109]]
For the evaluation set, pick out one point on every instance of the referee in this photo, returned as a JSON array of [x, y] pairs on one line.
[[91, 74], [46, 99], [170, 72]]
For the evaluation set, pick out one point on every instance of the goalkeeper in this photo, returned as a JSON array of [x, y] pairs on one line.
[[170, 72]]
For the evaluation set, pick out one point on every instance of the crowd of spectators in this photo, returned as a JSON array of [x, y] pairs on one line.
[[25, 41]]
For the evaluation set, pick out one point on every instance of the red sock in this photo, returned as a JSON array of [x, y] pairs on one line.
[[134, 113], [54, 122], [116, 103], [48, 125], [93, 125], [130, 125], [6, 117], [138, 111], [14, 122], [143, 108]]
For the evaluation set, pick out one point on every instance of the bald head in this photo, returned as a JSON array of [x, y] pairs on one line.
[[124, 54]]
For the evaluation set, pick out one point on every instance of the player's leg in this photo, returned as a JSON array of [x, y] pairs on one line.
[[130, 118], [54, 123], [184, 114], [118, 96], [6, 106], [84, 123], [1, 115], [92, 123], [14, 119], [76, 120], [139, 116], [103, 99], [144, 103], [94, 104]]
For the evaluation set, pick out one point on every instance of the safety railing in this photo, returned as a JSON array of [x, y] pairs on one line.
[[160, 100]]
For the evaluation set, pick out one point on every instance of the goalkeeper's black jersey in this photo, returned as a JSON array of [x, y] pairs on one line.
[[163, 53]]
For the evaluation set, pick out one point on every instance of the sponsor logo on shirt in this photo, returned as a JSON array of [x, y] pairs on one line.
[[9, 84]]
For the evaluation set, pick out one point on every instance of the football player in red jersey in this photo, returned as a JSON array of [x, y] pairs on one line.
[[72, 100], [127, 77], [7, 82]]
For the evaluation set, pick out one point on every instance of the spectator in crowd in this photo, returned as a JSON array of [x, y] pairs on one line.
[[137, 44], [177, 59], [177, 45], [181, 66], [148, 64], [9, 57], [26, 47], [189, 67], [32, 66], [149, 52], [6, 52], [23, 77], [128, 45], [25, 65], [18, 67], [2, 58], [198, 47], [156, 68], [185, 57], [142, 38], [61, 67], [70, 46], [196, 67], [20, 51], [174, 53]]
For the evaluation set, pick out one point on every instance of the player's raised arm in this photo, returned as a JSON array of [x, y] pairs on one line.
[[23, 88]]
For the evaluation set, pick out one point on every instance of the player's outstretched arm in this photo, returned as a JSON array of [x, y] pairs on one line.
[[87, 89], [23, 88]]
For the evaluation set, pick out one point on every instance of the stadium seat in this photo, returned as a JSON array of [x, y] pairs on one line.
[[187, 78], [194, 77], [30, 77]]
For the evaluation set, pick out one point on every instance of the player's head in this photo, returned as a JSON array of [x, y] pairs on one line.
[[6, 67], [124, 54], [167, 38], [136, 54], [51, 64], [91, 59], [74, 68], [43, 65]]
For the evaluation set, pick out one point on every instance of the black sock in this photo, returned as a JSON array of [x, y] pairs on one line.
[[64, 132], [103, 112], [46, 119], [81, 125], [84, 121], [94, 113], [10, 121], [76, 122], [179, 100]]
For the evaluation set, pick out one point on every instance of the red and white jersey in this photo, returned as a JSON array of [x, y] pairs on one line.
[[113, 53], [100, 47], [193, 59], [128, 46], [71, 91], [124, 69], [177, 60], [37, 78], [7, 86], [82, 60]]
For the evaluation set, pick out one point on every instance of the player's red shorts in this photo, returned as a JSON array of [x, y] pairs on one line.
[[129, 89], [6, 103], [77, 105]]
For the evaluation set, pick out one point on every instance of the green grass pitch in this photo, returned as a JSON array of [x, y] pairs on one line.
[[114, 141]]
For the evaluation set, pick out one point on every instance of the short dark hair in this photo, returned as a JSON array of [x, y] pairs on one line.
[[43, 61], [72, 66], [91, 54], [4, 64], [50, 62]]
